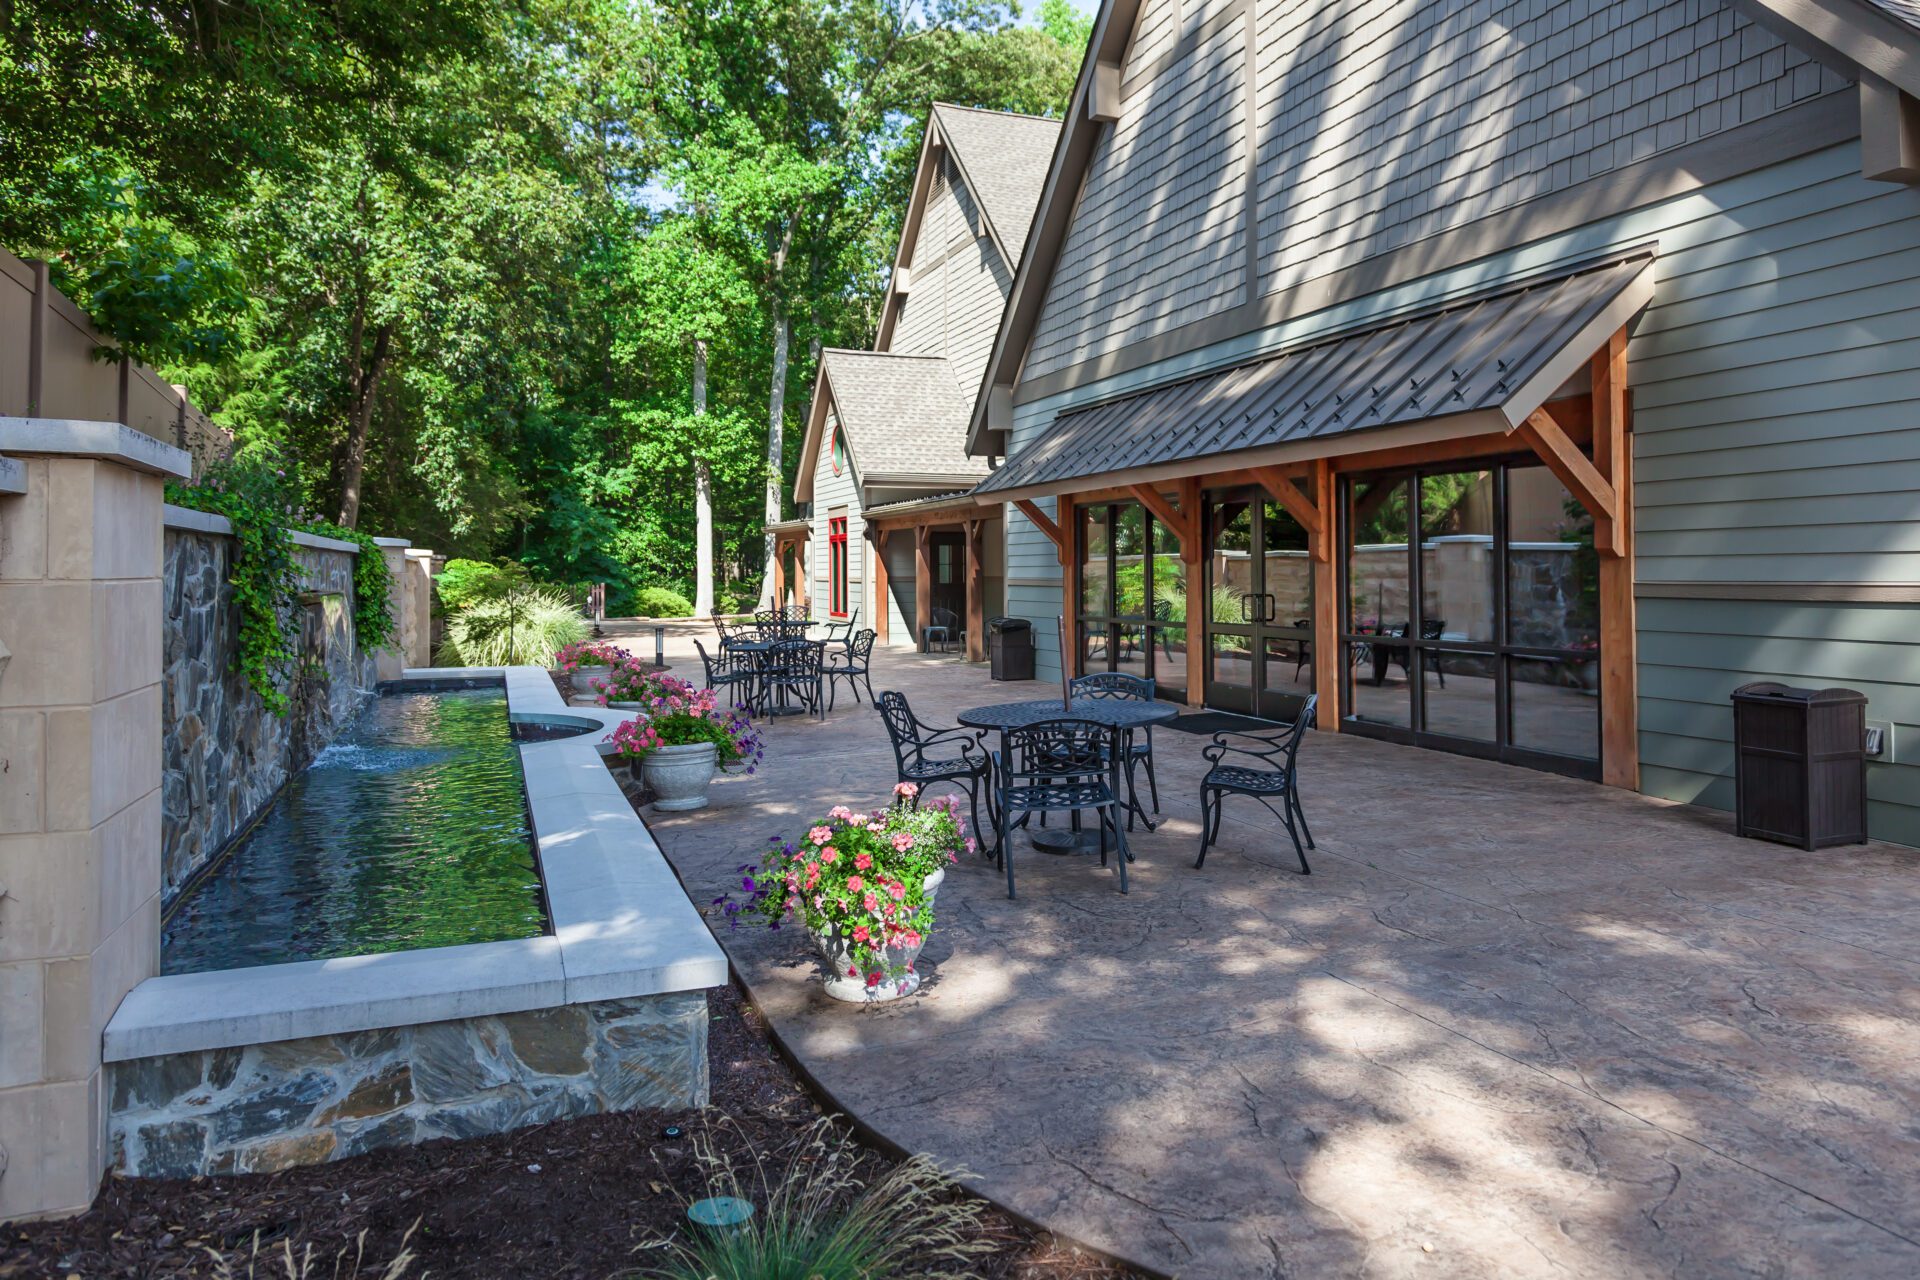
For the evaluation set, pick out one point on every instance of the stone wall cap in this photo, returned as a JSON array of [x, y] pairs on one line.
[[392, 542], [207, 522], [419, 553], [108, 441], [13, 476]]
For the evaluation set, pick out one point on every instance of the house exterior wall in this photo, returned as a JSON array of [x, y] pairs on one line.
[[960, 284], [1380, 123], [837, 495], [1776, 399]]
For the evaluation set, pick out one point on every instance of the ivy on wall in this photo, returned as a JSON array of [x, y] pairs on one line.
[[265, 574]]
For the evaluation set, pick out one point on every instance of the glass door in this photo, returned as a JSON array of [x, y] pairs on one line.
[[1259, 608], [1471, 619]]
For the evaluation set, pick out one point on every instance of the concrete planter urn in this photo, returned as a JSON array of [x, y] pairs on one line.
[[679, 776], [836, 952]]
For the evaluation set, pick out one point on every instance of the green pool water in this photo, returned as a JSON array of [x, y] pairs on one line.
[[410, 831]]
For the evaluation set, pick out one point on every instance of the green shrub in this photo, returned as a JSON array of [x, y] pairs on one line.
[[818, 1218], [659, 602], [464, 582], [523, 626]]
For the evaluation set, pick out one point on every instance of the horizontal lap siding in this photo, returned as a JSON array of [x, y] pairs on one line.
[[901, 590], [1386, 121], [832, 491], [1157, 239], [1695, 653]]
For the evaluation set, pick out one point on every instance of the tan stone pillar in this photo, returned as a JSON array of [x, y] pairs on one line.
[[81, 617], [419, 625], [388, 662]]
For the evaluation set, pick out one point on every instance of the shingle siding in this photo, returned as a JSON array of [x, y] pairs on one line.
[[1387, 121], [836, 494], [960, 286], [1158, 239]]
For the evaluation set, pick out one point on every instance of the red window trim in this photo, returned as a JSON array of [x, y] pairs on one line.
[[837, 566]]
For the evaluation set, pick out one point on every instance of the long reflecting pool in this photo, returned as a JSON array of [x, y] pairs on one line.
[[409, 831]]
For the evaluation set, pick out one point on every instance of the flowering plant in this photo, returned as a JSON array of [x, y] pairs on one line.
[[678, 715], [860, 876], [588, 653], [633, 681]]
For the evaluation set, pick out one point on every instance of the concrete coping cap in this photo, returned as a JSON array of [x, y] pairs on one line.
[[108, 441]]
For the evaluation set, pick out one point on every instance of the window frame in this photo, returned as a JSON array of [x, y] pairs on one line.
[[837, 566]]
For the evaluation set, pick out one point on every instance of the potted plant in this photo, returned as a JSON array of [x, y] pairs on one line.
[[863, 884], [632, 685], [586, 661], [683, 739]]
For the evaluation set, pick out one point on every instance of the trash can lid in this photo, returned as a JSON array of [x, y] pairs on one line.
[[1773, 690], [1010, 624]]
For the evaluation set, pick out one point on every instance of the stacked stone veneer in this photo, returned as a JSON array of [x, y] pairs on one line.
[[224, 754], [271, 1106]]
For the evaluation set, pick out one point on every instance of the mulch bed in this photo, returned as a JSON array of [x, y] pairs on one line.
[[578, 1198]]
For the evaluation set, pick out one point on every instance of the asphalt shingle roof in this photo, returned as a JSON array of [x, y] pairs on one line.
[[904, 415], [1005, 157], [1494, 353], [1907, 11]]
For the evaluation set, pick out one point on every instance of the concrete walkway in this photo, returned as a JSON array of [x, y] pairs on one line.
[[1513, 1024]]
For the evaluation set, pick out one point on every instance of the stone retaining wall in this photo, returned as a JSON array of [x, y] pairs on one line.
[[224, 755], [272, 1106]]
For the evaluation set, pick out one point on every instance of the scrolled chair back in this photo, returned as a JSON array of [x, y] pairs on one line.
[[1065, 747], [860, 648], [1113, 685]]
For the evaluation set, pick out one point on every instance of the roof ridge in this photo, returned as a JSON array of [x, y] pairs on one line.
[[994, 111], [890, 355]]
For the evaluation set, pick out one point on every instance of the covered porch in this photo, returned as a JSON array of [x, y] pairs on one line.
[[1427, 524], [791, 566], [938, 567]]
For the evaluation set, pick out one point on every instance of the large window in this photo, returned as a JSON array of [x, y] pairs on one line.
[[1133, 596], [837, 566], [1471, 617]]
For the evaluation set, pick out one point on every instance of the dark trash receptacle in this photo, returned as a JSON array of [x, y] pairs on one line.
[[1800, 764], [1010, 648]]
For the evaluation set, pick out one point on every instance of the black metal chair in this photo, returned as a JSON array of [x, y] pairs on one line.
[[1302, 649], [793, 669], [730, 633], [947, 624], [1058, 766], [852, 666], [913, 739], [1276, 777], [842, 630], [732, 670], [1139, 750]]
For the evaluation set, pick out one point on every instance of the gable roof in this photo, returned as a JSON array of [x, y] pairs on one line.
[[1854, 37], [903, 416], [1003, 160], [1003, 157]]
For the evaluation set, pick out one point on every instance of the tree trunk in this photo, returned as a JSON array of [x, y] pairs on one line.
[[776, 418], [702, 495], [365, 378]]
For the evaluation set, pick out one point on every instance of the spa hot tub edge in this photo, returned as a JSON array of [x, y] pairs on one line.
[[245, 1070]]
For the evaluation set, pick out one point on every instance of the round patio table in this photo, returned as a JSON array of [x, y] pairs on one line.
[[1117, 714], [760, 651]]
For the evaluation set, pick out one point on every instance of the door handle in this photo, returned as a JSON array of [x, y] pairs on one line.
[[1273, 607]]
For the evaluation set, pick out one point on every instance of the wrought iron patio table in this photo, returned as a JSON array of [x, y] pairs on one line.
[[761, 652], [1116, 715]]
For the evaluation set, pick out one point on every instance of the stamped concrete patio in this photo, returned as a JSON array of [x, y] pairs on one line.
[[1513, 1024]]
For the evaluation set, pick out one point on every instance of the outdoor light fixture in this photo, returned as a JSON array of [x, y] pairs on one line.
[[659, 646]]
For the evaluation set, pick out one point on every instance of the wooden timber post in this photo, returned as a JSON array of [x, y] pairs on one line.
[[1193, 556], [779, 571], [1068, 525], [1329, 660], [922, 586], [882, 598], [976, 571], [1619, 666]]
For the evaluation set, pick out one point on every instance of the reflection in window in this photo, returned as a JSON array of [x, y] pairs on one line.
[[1232, 562], [1094, 600], [1457, 572], [1169, 577], [1289, 570], [1458, 696], [1380, 682], [1130, 561], [1556, 705], [1553, 574], [1377, 576]]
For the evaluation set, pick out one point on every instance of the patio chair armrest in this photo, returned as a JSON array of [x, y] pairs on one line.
[[1219, 747]]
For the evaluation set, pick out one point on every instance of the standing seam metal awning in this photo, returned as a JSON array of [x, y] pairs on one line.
[[1472, 367]]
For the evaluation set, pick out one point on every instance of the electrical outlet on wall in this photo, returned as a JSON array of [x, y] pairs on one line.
[[1880, 742]]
